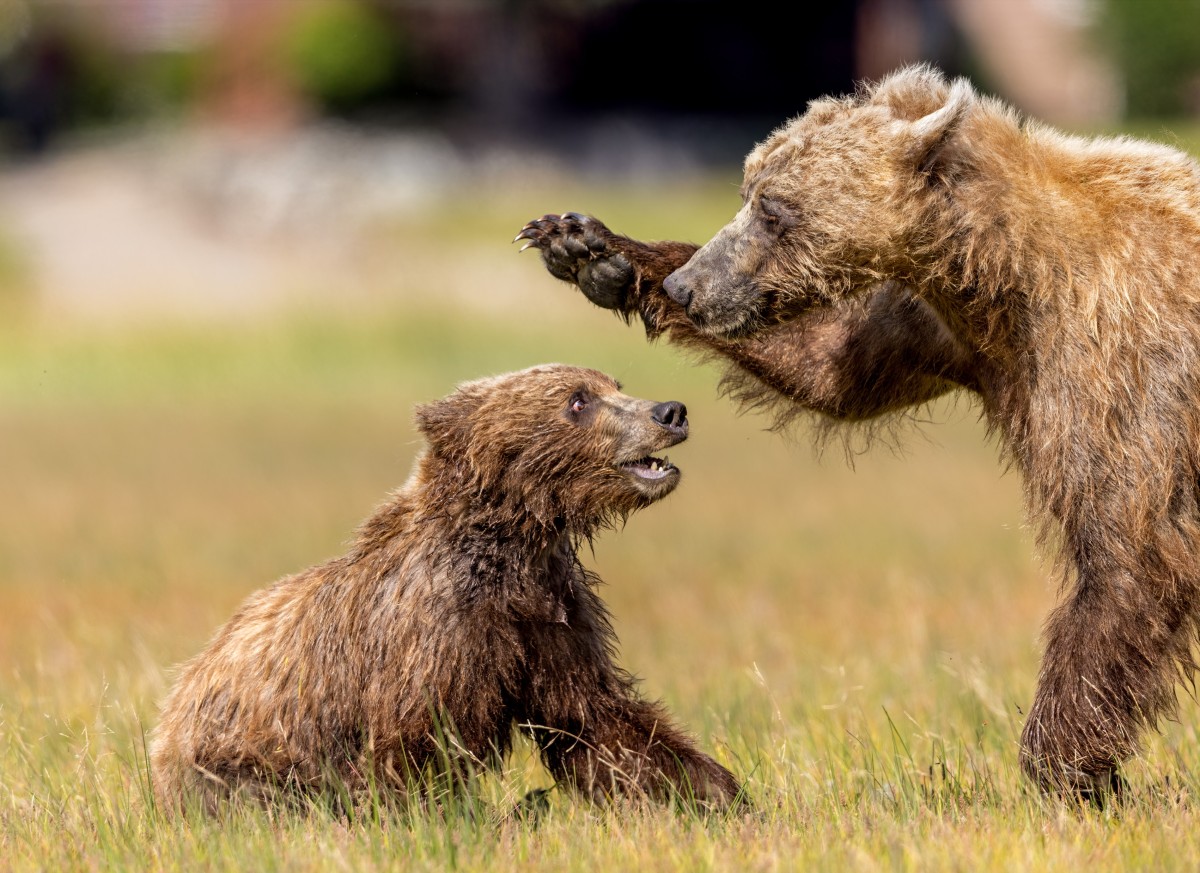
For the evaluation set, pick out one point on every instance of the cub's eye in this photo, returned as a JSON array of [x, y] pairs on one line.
[[579, 402]]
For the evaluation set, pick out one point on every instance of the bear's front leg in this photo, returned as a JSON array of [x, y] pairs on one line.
[[613, 271], [596, 734], [879, 352], [630, 747]]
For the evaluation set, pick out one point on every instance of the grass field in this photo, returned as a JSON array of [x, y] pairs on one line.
[[857, 643]]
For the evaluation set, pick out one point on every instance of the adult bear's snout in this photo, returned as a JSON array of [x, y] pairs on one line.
[[677, 289], [672, 416]]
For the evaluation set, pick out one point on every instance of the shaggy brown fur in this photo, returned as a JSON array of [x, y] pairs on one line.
[[461, 609], [916, 238]]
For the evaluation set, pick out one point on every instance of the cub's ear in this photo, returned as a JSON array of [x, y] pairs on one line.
[[446, 423], [928, 135]]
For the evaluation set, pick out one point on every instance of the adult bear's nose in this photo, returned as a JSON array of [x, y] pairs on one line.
[[672, 415], [677, 289]]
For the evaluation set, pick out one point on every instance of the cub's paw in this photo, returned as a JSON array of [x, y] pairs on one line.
[[580, 249]]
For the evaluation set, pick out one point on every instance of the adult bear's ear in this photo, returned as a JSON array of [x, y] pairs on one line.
[[929, 135]]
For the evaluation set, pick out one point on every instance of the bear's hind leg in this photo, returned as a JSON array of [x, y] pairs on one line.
[[1112, 658]]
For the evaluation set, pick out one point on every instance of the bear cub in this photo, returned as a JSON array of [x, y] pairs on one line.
[[460, 612]]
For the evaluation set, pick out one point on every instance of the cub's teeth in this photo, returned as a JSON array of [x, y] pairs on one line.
[[654, 466]]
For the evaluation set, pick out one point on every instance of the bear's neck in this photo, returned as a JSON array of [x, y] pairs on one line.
[[528, 570], [1030, 237], [993, 220], [1062, 263], [439, 493], [492, 545]]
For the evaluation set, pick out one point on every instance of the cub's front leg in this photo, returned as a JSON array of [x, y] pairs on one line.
[[596, 733], [630, 746]]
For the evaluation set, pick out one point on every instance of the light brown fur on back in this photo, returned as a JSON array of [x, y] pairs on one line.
[[917, 238]]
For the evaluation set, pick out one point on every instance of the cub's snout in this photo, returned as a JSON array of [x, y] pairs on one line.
[[672, 417]]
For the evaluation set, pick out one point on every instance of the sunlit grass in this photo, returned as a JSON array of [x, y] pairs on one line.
[[858, 644]]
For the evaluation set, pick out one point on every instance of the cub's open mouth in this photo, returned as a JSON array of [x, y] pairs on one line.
[[650, 468]]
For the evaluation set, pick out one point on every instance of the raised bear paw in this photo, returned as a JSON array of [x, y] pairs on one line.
[[580, 249]]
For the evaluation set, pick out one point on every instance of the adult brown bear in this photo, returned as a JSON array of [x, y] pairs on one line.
[[460, 612], [917, 238]]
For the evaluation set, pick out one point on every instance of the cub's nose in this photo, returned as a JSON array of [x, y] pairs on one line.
[[672, 415], [677, 289]]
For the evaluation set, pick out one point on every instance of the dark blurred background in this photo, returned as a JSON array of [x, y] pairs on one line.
[[145, 140], [534, 69]]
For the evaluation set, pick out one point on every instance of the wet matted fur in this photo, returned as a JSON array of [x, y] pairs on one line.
[[916, 238], [460, 613]]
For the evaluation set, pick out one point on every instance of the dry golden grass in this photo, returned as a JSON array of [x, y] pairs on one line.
[[857, 643]]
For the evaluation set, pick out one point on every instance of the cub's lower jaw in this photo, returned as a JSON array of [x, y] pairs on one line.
[[653, 477]]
